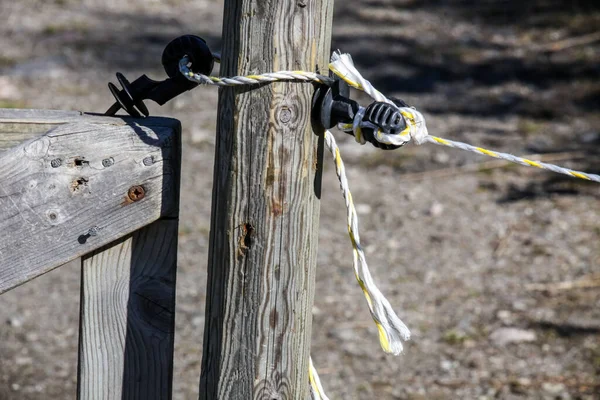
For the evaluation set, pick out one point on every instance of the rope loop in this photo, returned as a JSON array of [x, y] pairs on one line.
[[358, 124]]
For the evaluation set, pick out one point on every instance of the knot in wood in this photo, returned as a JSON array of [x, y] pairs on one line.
[[285, 115], [38, 148]]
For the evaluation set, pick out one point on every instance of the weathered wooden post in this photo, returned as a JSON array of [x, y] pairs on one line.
[[265, 210]]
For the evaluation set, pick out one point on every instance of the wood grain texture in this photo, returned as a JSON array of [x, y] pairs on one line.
[[60, 199], [264, 227], [17, 125], [128, 317]]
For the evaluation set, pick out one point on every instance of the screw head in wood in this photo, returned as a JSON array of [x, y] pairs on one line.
[[107, 162], [148, 161], [136, 193], [52, 216]]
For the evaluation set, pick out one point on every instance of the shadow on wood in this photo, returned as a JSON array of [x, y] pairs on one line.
[[128, 316]]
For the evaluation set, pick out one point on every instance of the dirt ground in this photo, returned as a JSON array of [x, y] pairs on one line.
[[484, 262]]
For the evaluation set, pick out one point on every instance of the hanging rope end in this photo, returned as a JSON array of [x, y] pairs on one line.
[[391, 338]]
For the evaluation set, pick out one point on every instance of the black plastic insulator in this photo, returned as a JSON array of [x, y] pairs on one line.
[[131, 95], [195, 48], [127, 97], [332, 104], [386, 117]]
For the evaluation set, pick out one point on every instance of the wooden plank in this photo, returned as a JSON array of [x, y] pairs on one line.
[[17, 125], [65, 193], [128, 317], [11, 133], [264, 228]]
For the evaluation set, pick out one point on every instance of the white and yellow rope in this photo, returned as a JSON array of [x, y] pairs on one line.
[[343, 67], [416, 130], [514, 159], [280, 76], [392, 331], [316, 389]]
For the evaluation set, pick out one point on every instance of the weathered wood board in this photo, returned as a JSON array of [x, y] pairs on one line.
[[128, 317], [64, 192], [265, 215]]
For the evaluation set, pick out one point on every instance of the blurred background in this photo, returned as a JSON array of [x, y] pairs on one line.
[[494, 267]]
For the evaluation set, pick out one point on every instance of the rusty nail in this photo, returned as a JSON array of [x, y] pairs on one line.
[[136, 193]]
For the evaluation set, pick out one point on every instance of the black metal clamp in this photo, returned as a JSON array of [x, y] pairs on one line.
[[332, 105], [132, 95]]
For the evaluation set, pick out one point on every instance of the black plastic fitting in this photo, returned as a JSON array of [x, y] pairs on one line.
[[132, 95]]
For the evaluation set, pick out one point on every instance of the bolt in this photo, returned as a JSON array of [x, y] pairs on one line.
[[136, 193], [148, 161], [107, 162], [57, 162]]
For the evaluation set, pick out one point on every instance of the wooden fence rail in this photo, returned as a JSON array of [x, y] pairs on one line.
[[105, 190]]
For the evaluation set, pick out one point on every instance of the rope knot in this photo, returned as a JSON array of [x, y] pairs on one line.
[[414, 128]]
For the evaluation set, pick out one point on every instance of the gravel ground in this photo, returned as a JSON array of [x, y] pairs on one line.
[[472, 258]]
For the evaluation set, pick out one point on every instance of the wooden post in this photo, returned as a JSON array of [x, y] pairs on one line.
[[264, 228]]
